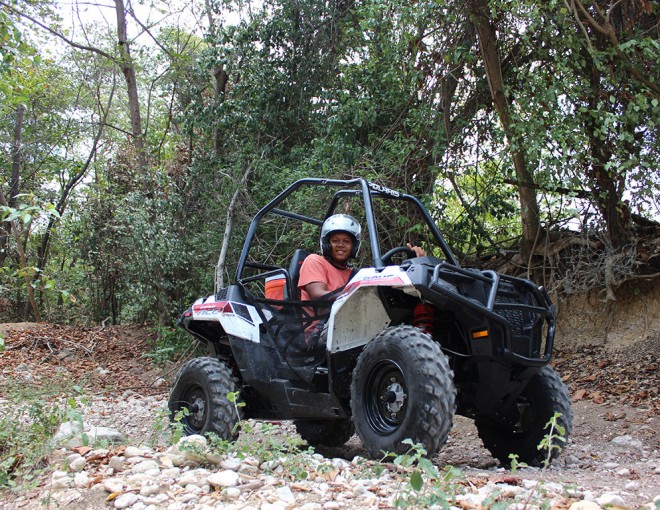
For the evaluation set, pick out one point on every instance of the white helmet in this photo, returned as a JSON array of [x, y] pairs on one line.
[[340, 223]]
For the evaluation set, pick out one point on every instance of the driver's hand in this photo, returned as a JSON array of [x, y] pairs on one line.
[[418, 251]]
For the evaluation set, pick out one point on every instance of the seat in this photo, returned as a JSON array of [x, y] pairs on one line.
[[294, 271]]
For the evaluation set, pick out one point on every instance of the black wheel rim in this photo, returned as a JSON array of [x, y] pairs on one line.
[[196, 402], [386, 397], [526, 416]]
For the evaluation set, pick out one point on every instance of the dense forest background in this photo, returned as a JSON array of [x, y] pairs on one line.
[[137, 138]]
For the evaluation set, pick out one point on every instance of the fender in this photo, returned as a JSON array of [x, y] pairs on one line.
[[347, 327], [237, 319]]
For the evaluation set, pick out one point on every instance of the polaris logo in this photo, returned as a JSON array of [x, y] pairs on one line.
[[383, 189]]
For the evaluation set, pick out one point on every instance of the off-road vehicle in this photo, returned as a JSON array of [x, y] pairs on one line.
[[406, 344]]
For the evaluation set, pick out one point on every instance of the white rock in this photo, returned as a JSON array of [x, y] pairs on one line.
[[116, 462], [530, 484], [171, 472], [284, 494], [633, 485], [177, 460], [311, 506], [197, 477], [81, 480], [233, 463], [341, 463], [628, 442], [72, 457], [60, 483], [226, 478], [113, 485], [584, 505], [125, 500], [232, 492], [278, 505], [188, 497], [192, 442], [77, 465], [98, 452], [144, 466], [610, 499], [156, 500], [149, 489], [134, 451]]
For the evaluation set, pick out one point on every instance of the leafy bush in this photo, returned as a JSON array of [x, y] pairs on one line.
[[25, 429]]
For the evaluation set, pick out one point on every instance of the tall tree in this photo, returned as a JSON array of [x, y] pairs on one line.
[[482, 19], [125, 62]]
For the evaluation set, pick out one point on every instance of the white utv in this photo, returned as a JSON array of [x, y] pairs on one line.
[[406, 344]]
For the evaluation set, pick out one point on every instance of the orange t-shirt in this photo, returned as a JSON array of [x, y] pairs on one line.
[[316, 268]]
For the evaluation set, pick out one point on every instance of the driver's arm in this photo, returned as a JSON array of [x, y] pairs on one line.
[[316, 290]]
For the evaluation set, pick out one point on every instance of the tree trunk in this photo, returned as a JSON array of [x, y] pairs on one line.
[[528, 202], [606, 192], [14, 183], [222, 259], [220, 76], [128, 69]]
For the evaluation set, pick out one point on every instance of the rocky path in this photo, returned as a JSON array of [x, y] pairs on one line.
[[611, 461]]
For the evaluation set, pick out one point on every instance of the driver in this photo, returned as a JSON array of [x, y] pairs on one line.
[[340, 241]]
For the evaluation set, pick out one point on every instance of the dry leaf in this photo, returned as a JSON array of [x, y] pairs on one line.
[[580, 394]]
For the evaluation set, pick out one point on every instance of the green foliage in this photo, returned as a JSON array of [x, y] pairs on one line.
[[427, 487], [25, 429], [171, 344], [516, 464], [389, 90], [551, 441]]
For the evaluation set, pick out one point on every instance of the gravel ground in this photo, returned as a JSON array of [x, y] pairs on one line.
[[611, 460]]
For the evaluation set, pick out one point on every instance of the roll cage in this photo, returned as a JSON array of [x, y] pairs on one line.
[[349, 188]]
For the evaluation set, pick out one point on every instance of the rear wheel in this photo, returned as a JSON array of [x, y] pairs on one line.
[[402, 388], [325, 432], [201, 387], [544, 395]]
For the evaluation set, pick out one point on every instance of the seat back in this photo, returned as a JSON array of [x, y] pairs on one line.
[[294, 271]]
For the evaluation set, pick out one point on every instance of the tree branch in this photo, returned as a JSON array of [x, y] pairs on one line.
[[57, 34]]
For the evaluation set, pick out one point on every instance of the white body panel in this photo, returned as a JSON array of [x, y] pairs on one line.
[[237, 319], [358, 314]]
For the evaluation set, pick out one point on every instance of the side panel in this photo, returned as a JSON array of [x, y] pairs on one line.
[[358, 314], [236, 319]]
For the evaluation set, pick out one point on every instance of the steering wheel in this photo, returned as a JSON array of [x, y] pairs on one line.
[[387, 258]]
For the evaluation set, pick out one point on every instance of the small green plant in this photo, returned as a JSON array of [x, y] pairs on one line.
[[234, 398], [556, 434], [515, 463], [427, 486], [26, 429], [161, 427], [178, 426], [74, 416], [171, 344]]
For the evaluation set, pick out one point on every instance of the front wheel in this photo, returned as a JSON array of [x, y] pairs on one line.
[[201, 388], [402, 388], [531, 440]]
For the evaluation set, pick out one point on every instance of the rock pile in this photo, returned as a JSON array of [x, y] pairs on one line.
[[189, 475]]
